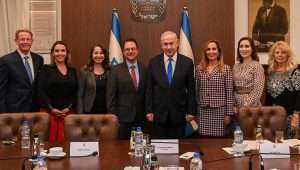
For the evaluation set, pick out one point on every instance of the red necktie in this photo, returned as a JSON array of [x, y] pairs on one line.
[[133, 77]]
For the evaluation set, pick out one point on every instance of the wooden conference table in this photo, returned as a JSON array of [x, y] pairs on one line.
[[114, 156]]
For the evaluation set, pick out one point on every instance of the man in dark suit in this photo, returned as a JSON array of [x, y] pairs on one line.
[[19, 72], [126, 90], [271, 25], [170, 94]]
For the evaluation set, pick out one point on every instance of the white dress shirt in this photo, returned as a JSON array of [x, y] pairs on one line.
[[166, 61], [136, 70]]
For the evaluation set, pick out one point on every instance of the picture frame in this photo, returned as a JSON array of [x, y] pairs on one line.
[[242, 27], [268, 22]]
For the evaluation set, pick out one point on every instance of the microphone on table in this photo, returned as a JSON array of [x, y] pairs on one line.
[[261, 163], [95, 153], [19, 157], [262, 167]]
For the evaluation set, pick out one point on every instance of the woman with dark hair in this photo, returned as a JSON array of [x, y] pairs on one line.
[[248, 75], [92, 82], [57, 89], [214, 91]]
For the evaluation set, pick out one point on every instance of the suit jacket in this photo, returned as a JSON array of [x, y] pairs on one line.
[[122, 97], [17, 93], [215, 89], [56, 90], [272, 27], [170, 103], [86, 91]]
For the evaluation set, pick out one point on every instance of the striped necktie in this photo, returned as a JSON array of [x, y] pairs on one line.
[[28, 69]]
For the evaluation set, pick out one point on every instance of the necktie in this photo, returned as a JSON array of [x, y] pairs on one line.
[[28, 69], [133, 77], [170, 71]]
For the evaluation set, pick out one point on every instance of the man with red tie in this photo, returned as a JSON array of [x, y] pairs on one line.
[[126, 90]]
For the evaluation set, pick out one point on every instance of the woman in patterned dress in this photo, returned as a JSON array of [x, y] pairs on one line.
[[214, 89], [283, 85], [248, 75]]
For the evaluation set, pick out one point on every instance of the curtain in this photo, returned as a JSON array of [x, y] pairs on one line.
[[14, 15]]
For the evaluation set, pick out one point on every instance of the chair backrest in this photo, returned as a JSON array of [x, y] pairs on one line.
[[11, 122], [271, 118], [85, 127]]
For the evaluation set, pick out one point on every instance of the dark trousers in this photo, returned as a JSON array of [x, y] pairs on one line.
[[125, 129], [168, 132]]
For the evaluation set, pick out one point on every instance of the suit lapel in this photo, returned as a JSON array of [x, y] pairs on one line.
[[162, 70], [127, 74], [35, 64], [178, 66], [141, 76]]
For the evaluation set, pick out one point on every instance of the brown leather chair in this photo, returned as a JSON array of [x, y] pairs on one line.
[[11, 122], [271, 118], [87, 127]]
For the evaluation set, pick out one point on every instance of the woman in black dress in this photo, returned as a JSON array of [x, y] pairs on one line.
[[57, 89], [92, 82], [283, 85]]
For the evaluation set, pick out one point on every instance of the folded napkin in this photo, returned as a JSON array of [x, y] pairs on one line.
[[171, 168], [132, 168], [292, 142]]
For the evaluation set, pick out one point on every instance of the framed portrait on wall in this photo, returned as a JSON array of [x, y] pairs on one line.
[[268, 22]]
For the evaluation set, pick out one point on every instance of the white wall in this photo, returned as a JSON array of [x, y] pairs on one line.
[[241, 26]]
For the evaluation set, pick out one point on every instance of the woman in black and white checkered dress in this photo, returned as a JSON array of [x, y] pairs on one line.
[[214, 91]]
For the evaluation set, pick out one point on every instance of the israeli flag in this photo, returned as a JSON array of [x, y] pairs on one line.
[[115, 50], [185, 41]]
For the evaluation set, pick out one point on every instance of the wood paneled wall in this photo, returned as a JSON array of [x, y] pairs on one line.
[[86, 23]]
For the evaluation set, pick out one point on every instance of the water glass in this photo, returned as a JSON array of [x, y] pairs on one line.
[[138, 152], [146, 139], [238, 149], [278, 136], [42, 145], [259, 135]]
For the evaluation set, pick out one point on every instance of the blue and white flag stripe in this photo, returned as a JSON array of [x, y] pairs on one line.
[[115, 50], [185, 41]]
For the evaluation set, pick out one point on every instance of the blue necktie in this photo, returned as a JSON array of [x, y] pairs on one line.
[[170, 71], [28, 69]]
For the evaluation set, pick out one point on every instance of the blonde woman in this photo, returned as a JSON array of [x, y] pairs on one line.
[[214, 91], [283, 84]]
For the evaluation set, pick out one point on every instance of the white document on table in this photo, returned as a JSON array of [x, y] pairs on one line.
[[84, 148], [166, 146], [253, 144], [274, 150]]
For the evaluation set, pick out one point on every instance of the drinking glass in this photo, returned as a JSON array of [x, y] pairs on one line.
[[145, 139], [278, 136]]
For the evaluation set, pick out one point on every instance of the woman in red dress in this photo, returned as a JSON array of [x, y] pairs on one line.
[[57, 89]]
